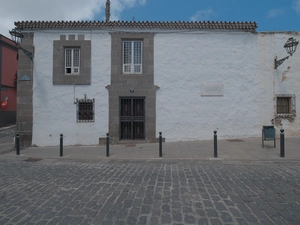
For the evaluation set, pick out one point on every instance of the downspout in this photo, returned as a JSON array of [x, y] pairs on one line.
[[274, 75]]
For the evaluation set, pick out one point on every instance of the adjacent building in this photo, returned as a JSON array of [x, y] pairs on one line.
[[134, 79], [8, 81]]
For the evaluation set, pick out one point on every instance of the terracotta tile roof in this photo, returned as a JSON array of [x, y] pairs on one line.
[[141, 25]]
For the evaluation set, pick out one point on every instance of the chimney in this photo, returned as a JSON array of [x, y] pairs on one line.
[[107, 10]]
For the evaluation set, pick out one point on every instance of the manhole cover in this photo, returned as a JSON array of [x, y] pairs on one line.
[[235, 140], [130, 145], [32, 159]]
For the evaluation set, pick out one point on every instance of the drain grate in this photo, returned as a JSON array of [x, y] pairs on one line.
[[234, 140], [130, 145], [32, 159]]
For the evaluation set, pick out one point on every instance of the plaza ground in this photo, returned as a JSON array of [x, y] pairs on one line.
[[245, 184]]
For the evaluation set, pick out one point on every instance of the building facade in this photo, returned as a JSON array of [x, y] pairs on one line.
[[8, 81], [134, 79]]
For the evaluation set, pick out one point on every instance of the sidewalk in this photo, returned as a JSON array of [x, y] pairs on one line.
[[7, 139], [249, 149]]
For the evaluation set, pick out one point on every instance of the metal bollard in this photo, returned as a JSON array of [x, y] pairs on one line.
[[215, 145], [160, 144], [282, 143], [61, 144], [107, 144], [17, 144]]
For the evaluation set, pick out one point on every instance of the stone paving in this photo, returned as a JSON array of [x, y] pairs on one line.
[[7, 139], [57, 191]]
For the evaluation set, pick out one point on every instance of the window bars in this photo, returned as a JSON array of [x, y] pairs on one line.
[[285, 105], [85, 110]]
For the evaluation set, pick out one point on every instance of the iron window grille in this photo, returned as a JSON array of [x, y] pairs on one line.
[[285, 105], [86, 110], [132, 57], [72, 60]]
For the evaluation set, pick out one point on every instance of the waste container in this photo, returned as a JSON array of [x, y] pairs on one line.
[[268, 134]]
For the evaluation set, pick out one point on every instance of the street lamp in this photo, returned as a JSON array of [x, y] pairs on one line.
[[17, 37], [290, 47]]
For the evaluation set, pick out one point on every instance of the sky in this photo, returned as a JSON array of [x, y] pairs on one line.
[[270, 15]]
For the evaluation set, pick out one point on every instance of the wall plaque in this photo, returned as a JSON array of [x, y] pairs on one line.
[[212, 89], [24, 78]]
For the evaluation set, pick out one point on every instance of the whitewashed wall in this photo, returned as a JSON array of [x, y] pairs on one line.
[[290, 69], [54, 111], [242, 62]]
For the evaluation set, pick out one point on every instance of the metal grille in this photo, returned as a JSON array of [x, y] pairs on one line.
[[85, 110], [132, 119], [132, 56], [68, 57], [283, 105], [75, 57]]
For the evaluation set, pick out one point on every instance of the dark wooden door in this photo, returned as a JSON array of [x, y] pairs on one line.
[[132, 118]]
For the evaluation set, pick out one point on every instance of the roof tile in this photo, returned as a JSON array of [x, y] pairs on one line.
[[142, 25]]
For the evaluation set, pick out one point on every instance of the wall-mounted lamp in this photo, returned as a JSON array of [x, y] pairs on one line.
[[290, 47], [17, 37], [131, 90]]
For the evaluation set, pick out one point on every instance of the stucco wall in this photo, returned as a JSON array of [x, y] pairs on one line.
[[237, 66], [242, 62], [54, 111], [287, 79]]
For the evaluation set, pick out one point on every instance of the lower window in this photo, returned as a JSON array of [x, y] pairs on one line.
[[285, 105], [86, 110]]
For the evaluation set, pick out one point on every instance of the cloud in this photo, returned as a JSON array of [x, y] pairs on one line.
[[275, 13], [118, 6], [54, 10], [202, 15], [296, 6]]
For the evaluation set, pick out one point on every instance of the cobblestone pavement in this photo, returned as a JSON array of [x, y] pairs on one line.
[[6, 139], [148, 192]]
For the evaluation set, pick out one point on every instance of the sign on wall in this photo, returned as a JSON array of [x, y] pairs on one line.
[[212, 89], [24, 78]]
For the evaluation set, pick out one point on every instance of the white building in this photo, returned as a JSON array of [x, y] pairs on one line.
[[134, 79]]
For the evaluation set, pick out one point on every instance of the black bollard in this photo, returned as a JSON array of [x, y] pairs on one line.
[[107, 144], [215, 145], [61, 145], [160, 144], [282, 143], [17, 144]]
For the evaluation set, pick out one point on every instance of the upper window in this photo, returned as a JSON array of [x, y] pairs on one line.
[[286, 106], [132, 57], [72, 60]]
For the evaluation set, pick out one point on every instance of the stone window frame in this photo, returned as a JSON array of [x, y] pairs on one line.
[[60, 77], [117, 58], [292, 106]]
